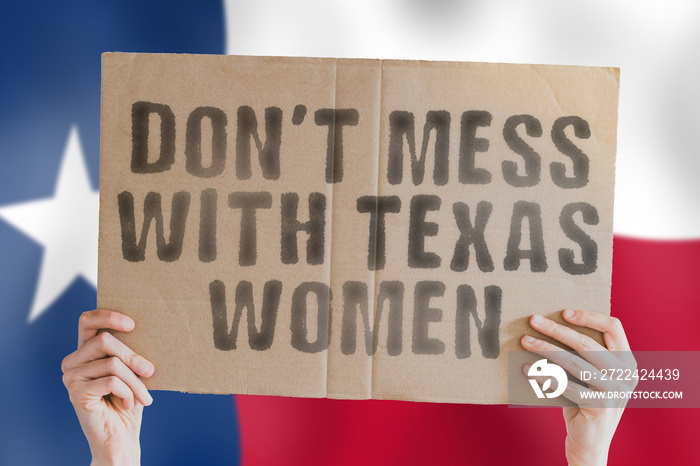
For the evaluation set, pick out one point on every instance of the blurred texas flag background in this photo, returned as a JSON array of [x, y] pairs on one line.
[[49, 165]]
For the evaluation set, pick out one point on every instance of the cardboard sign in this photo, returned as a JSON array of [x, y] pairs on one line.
[[350, 228]]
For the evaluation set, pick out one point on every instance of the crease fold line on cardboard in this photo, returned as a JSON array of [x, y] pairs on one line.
[[375, 292], [533, 68], [330, 231]]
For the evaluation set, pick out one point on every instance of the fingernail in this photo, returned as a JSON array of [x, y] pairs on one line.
[[529, 339], [145, 368], [127, 323], [537, 319], [149, 399], [569, 313]]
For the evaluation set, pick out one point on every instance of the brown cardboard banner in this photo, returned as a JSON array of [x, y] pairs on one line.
[[350, 228]]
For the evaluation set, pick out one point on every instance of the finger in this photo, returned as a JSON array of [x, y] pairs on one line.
[[106, 345], [92, 321], [589, 349], [613, 332], [92, 391], [110, 367], [569, 362]]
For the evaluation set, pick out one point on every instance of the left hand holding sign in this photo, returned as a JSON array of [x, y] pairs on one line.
[[102, 378]]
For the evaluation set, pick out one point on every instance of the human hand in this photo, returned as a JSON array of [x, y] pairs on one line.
[[589, 427], [102, 380]]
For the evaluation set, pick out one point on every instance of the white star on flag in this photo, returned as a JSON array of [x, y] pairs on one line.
[[66, 225]]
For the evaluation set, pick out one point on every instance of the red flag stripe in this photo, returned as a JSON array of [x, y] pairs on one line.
[[656, 294]]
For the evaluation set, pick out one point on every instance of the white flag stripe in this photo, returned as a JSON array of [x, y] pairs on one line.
[[656, 46]]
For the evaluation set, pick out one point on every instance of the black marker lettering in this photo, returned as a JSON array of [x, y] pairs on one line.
[[423, 315], [335, 119], [471, 236], [224, 339], [268, 153], [533, 128], [418, 229], [377, 207], [193, 142], [469, 145], [140, 112], [536, 255], [488, 332], [152, 210], [402, 125], [299, 329], [568, 148], [249, 203], [315, 227], [589, 248], [207, 226]]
